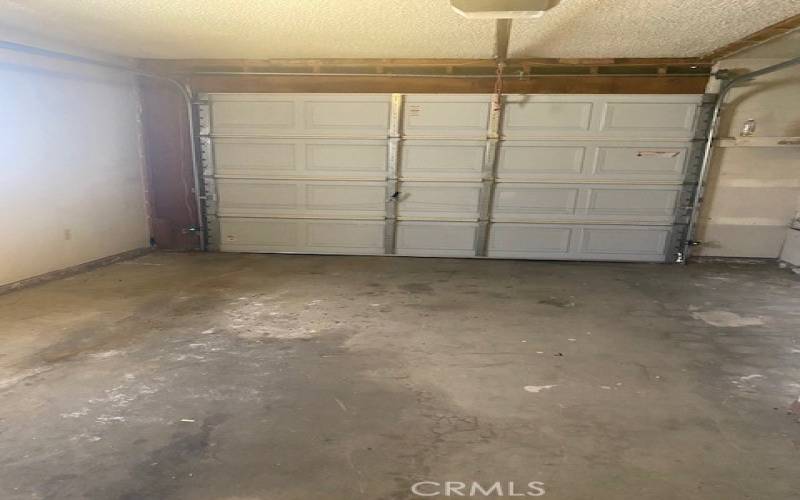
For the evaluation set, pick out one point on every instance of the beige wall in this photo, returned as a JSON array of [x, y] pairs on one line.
[[71, 188], [753, 191], [791, 247]]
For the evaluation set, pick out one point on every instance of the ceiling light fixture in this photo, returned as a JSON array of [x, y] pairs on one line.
[[502, 9]]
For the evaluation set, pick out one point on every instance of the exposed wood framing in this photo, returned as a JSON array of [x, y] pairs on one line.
[[596, 84], [530, 66], [757, 38]]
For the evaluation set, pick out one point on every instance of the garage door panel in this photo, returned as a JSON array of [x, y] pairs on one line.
[[337, 115], [420, 159], [446, 239], [641, 161], [363, 237], [255, 235], [599, 116], [530, 241], [547, 117], [254, 157], [579, 242], [446, 116], [269, 198], [624, 242], [584, 202], [638, 203], [345, 116], [523, 201], [648, 119], [342, 197], [299, 158], [301, 235], [519, 160], [446, 200], [249, 197], [346, 159], [252, 115]]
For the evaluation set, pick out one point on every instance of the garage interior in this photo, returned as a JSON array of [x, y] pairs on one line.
[[394, 250]]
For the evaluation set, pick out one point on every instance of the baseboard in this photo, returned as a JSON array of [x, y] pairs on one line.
[[73, 270]]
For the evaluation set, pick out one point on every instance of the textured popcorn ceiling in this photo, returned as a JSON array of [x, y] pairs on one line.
[[386, 29]]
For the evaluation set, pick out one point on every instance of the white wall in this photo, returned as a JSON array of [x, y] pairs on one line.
[[71, 186], [753, 191]]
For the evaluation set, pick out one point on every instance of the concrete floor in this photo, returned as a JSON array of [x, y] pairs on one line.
[[307, 377]]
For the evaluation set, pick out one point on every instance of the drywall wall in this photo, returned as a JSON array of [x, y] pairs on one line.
[[753, 191], [791, 247], [71, 186]]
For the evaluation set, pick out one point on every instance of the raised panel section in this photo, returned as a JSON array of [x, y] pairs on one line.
[[637, 203], [439, 200], [347, 116], [241, 157], [525, 201], [343, 197], [529, 240], [646, 161], [327, 115], [524, 160], [258, 235], [353, 159], [579, 242], [517, 201], [331, 199], [542, 116], [359, 237], [441, 159], [648, 119], [445, 116], [630, 243], [252, 114], [599, 116], [344, 236], [427, 239], [256, 197]]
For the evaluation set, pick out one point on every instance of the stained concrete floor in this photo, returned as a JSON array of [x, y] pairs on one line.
[[300, 377]]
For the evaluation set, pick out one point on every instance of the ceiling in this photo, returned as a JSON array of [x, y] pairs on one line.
[[262, 29]]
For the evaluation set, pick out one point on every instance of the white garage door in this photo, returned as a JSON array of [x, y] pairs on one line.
[[579, 177]]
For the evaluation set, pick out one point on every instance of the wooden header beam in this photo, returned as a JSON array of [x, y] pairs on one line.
[[431, 66], [585, 84]]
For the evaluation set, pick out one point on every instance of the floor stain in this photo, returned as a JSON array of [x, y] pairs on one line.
[[416, 288]]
